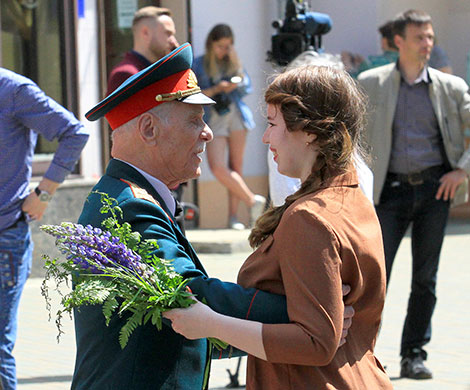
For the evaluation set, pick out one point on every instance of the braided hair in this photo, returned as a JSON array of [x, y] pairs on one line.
[[318, 100]]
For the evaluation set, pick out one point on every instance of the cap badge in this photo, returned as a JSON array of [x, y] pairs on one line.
[[193, 88], [192, 80]]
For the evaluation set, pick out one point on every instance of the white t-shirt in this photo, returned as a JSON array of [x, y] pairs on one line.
[[281, 186]]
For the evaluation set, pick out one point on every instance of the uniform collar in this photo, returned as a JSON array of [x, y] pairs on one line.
[[159, 187]]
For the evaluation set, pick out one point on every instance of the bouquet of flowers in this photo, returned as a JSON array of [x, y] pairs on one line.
[[116, 268]]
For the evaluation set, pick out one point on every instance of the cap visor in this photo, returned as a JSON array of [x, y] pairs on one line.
[[197, 98]]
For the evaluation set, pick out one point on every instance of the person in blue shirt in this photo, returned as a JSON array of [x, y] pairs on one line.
[[25, 112], [222, 77]]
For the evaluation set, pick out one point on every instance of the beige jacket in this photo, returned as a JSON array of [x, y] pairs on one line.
[[451, 102]]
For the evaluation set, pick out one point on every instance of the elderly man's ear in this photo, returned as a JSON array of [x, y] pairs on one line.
[[149, 127]]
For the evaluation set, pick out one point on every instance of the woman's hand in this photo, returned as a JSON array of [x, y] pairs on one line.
[[192, 322], [226, 86], [200, 321], [222, 86]]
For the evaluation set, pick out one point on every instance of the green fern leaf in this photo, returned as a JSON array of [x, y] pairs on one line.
[[109, 306], [132, 322]]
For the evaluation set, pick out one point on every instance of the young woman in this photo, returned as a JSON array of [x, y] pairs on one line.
[[221, 76], [324, 235]]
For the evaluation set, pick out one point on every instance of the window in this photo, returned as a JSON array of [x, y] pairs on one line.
[[37, 40]]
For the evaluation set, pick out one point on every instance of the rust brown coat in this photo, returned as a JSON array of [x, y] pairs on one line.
[[324, 239]]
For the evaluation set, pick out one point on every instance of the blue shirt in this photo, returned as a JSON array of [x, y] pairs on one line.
[[25, 112], [417, 142]]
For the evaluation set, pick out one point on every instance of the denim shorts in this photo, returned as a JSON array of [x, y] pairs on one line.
[[223, 125]]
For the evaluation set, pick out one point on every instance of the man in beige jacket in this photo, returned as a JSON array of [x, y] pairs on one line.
[[420, 166]]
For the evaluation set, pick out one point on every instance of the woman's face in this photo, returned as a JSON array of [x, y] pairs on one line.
[[293, 151], [222, 48]]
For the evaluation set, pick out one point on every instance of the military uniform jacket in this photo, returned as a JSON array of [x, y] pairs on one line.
[[451, 103], [152, 359]]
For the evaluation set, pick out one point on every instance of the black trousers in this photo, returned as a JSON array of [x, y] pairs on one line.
[[402, 204]]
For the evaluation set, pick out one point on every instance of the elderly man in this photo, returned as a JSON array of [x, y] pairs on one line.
[[158, 138], [153, 32], [421, 165]]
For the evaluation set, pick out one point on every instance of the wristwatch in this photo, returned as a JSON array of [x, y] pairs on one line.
[[43, 196]]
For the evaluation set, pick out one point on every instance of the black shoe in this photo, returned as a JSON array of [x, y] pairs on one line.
[[412, 366]]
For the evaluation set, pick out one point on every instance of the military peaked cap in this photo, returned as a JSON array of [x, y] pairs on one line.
[[168, 79]]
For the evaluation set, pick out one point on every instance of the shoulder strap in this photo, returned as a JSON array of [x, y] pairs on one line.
[[141, 193]]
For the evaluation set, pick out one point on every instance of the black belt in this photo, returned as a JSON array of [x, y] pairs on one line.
[[417, 178]]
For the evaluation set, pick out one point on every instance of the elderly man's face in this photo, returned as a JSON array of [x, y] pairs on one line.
[[182, 141]]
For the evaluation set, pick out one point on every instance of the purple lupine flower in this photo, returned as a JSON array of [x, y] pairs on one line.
[[85, 245]]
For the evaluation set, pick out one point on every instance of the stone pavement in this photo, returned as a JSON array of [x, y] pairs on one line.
[[45, 365]]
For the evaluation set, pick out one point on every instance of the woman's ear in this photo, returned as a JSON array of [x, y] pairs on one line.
[[310, 138], [148, 125]]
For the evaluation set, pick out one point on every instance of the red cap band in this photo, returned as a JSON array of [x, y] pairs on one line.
[[144, 99]]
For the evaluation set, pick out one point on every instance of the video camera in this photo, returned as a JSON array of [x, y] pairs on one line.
[[300, 31]]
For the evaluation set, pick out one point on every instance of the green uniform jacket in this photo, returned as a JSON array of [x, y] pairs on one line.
[[152, 359]]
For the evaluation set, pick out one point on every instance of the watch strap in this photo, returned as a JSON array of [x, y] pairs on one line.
[[43, 196]]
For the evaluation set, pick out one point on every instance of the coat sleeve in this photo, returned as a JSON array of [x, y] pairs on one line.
[[464, 111], [310, 267], [368, 86], [37, 111], [224, 297]]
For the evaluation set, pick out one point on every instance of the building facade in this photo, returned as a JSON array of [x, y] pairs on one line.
[[69, 46]]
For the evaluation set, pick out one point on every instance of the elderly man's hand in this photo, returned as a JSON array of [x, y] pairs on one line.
[[348, 315], [449, 183]]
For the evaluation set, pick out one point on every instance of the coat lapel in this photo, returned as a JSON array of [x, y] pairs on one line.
[[121, 170], [392, 86], [435, 96]]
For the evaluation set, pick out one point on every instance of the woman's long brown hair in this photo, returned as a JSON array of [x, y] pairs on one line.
[[323, 101]]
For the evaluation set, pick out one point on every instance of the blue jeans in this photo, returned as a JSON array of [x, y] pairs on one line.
[[401, 204], [16, 249]]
